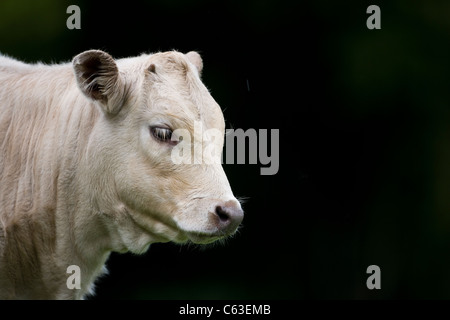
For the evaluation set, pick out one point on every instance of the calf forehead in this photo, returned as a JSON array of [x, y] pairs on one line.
[[178, 82]]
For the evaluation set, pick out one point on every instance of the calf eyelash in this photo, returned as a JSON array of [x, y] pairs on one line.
[[162, 134]]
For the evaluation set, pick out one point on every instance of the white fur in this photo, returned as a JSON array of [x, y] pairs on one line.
[[81, 175]]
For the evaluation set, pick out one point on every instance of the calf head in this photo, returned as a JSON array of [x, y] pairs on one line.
[[154, 154]]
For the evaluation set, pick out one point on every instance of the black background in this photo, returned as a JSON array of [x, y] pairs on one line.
[[364, 140]]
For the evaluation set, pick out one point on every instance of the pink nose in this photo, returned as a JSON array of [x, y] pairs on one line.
[[229, 216]]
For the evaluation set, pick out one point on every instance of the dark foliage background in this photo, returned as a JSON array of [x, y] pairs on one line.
[[364, 119]]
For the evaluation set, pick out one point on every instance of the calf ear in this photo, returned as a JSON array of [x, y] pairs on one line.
[[98, 78], [196, 60]]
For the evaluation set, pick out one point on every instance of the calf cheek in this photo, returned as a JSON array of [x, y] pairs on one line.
[[140, 188]]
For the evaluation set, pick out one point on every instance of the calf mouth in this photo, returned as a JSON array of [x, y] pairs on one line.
[[203, 238], [207, 238]]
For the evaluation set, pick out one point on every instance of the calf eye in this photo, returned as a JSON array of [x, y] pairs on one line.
[[161, 134]]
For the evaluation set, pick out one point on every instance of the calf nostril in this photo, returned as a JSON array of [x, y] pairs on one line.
[[229, 216], [222, 214]]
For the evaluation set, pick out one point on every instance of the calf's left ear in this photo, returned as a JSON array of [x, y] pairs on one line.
[[98, 78], [196, 60]]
